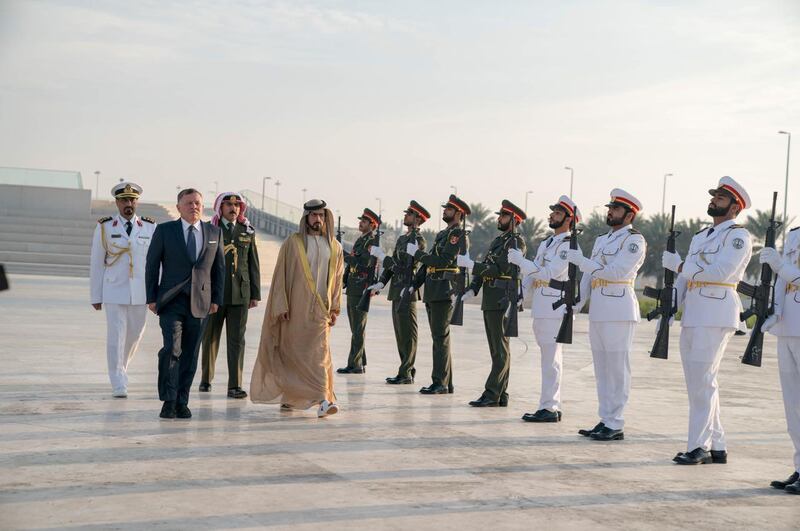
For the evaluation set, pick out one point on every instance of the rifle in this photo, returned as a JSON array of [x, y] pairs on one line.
[[461, 279], [408, 273], [513, 295], [762, 298], [667, 300], [570, 291], [339, 234], [366, 295]]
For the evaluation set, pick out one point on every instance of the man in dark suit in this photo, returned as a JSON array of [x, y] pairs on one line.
[[189, 255]]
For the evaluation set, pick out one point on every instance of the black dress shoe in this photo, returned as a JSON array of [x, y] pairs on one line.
[[167, 410], [794, 488], [588, 433], [182, 411], [351, 370], [719, 457], [783, 484], [607, 434], [698, 456], [237, 392], [205, 387], [435, 389], [399, 380], [485, 401], [543, 415]]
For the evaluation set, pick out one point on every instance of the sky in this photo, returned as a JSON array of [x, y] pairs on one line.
[[360, 100]]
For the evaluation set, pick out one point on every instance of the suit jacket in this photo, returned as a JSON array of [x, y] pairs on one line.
[[168, 254]]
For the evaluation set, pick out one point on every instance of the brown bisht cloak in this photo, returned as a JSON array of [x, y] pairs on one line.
[[294, 364]]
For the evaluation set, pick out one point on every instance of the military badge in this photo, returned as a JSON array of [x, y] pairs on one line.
[[454, 239], [737, 243], [563, 255], [633, 247]]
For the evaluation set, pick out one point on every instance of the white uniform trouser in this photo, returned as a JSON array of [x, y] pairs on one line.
[[701, 353], [789, 367], [125, 327], [545, 331], [611, 343]]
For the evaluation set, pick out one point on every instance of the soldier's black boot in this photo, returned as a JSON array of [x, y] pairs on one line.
[[698, 456], [778, 484], [588, 433], [607, 434]]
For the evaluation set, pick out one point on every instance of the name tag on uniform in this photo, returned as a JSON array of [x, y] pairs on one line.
[[144, 237], [116, 235]]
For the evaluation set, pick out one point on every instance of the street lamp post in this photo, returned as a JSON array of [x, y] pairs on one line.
[[263, 190], [304, 195], [786, 185], [526, 200], [664, 193], [97, 184], [277, 184], [571, 180]]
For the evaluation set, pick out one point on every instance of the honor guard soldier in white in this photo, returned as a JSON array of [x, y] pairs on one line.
[[119, 249], [706, 287], [608, 279], [785, 324], [550, 262]]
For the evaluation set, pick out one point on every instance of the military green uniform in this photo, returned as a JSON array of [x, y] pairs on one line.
[[438, 299], [361, 269], [242, 284], [485, 274], [400, 268]]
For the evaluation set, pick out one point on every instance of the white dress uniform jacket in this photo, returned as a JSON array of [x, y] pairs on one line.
[[617, 257], [787, 289], [550, 262], [118, 260], [713, 267]]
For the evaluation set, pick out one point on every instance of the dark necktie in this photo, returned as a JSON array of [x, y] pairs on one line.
[[128, 228], [191, 245]]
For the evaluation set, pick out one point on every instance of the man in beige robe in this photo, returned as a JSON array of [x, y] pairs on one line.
[[293, 367]]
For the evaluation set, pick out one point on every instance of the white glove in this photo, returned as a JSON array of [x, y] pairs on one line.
[[515, 257], [469, 294], [463, 260], [671, 261], [412, 248], [409, 290], [376, 288], [576, 257], [770, 256], [771, 321], [377, 252]]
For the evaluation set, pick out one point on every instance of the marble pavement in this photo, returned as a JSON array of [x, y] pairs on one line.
[[71, 456]]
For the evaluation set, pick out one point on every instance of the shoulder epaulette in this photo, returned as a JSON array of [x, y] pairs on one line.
[[104, 219], [701, 230], [794, 229], [634, 231], [148, 219], [735, 226], [566, 238]]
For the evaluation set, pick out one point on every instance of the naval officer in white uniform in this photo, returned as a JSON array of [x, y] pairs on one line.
[[706, 287], [119, 250], [550, 262], [608, 279], [785, 324]]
